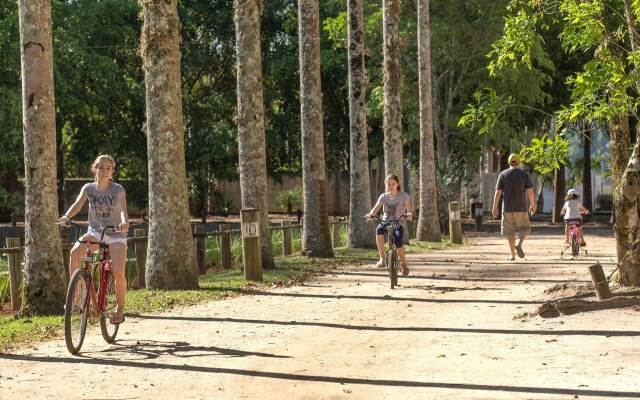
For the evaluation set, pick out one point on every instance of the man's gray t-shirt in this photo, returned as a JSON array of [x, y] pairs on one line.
[[514, 183], [103, 208]]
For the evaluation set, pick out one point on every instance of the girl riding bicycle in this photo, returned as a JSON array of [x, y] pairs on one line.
[[573, 211], [107, 206], [394, 203]]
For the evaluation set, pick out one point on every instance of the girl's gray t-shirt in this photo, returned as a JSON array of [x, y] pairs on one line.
[[393, 207], [573, 209], [103, 208]]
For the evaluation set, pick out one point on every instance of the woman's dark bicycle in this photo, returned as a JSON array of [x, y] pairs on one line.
[[91, 294], [391, 254]]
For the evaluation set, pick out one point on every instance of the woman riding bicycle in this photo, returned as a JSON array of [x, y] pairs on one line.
[[394, 203], [573, 211], [107, 206]]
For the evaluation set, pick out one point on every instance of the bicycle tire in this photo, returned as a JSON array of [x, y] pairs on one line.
[[575, 246], [76, 310], [109, 308], [392, 265]]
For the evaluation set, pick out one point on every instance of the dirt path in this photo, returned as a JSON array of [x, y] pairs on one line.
[[455, 328]]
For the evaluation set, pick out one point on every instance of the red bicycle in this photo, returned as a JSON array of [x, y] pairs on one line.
[[91, 294], [575, 238]]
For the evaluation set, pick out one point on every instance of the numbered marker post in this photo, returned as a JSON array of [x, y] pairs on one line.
[[251, 253], [455, 223]]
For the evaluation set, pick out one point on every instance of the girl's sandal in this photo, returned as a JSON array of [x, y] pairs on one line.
[[405, 269]]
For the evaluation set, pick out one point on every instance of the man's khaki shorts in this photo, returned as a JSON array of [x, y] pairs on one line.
[[513, 222]]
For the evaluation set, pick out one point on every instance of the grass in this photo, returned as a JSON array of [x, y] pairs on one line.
[[16, 331], [4, 280]]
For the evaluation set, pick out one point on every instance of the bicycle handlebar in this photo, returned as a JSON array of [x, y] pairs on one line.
[[376, 218], [112, 228]]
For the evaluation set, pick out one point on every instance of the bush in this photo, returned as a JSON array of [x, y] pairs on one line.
[[604, 202], [289, 199]]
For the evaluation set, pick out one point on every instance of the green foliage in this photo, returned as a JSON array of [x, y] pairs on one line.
[[545, 154], [288, 199], [223, 205], [10, 202]]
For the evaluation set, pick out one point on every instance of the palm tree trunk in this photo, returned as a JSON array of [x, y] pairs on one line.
[[361, 233], [428, 222], [393, 153], [316, 241], [251, 136], [171, 262], [44, 283]]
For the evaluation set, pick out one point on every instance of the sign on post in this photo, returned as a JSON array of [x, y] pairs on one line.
[[251, 252]]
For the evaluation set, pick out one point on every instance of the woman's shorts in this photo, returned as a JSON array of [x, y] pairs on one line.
[[108, 240], [397, 234]]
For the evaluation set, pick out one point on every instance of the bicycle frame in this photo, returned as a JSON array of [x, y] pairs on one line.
[[391, 225], [101, 266]]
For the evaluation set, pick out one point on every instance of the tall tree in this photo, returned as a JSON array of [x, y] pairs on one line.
[[316, 241], [587, 196], [251, 141], [361, 232], [428, 222], [171, 262], [393, 139], [43, 269]]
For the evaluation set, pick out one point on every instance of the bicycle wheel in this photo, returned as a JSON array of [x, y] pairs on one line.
[[392, 265], [110, 306], [575, 245], [76, 310]]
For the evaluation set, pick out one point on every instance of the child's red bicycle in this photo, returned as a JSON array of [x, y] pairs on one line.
[[91, 294], [575, 238]]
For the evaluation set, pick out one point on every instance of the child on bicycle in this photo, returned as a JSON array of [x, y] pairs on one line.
[[394, 203], [107, 206], [573, 211]]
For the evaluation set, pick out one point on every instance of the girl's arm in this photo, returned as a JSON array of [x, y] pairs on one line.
[[75, 207], [374, 210], [408, 209], [124, 215], [584, 209]]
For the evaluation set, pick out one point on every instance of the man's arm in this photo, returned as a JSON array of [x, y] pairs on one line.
[[496, 200], [532, 203]]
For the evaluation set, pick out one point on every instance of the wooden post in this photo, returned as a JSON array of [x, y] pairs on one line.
[[455, 223], [251, 253], [287, 246], [201, 249], [600, 283], [141, 257], [336, 234], [66, 254], [15, 273], [225, 246]]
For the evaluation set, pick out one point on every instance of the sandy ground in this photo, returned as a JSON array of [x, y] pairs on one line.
[[456, 328]]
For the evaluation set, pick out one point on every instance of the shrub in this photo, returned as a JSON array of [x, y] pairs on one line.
[[604, 202], [289, 199]]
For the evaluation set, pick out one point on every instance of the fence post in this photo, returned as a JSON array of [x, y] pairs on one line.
[[15, 273], [455, 223], [287, 246], [251, 253], [66, 253], [141, 257], [336, 234], [201, 249], [225, 246]]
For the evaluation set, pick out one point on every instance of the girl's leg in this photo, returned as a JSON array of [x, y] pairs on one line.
[[566, 233], [400, 248], [119, 260], [380, 245]]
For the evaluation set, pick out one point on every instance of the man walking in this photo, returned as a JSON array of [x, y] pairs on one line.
[[517, 188]]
